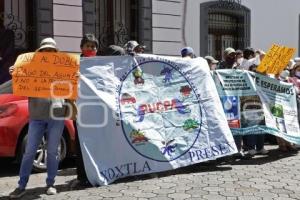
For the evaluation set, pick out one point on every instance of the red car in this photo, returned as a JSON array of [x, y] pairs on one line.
[[14, 118]]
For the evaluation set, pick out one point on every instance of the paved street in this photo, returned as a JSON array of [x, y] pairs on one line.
[[276, 176]]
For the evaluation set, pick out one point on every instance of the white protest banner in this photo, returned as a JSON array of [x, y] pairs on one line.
[[257, 104], [147, 114]]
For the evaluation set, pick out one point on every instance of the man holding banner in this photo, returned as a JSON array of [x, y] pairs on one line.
[[46, 114]]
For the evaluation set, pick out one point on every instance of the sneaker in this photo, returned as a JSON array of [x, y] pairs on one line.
[[17, 193], [262, 151], [252, 152], [51, 190]]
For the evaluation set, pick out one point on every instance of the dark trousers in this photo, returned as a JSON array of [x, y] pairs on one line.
[[255, 142], [81, 174]]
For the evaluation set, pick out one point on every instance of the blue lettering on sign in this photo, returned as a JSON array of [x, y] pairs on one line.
[[214, 151], [126, 169]]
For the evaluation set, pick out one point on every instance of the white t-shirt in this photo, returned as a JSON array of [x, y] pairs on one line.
[[245, 64]]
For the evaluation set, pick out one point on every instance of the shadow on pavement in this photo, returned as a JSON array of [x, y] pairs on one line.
[[9, 167], [201, 167], [273, 155], [35, 193]]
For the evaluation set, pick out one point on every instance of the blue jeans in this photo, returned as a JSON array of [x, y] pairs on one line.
[[36, 131]]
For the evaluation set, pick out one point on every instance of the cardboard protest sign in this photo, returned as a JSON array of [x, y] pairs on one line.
[[276, 59], [46, 75]]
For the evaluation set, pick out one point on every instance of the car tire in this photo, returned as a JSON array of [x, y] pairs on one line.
[[40, 160]]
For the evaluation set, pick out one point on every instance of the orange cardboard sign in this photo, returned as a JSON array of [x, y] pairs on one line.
[[46, 75], [276, 59]]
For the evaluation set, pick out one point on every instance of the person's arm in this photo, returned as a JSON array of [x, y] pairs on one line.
[[11, 69], [6, 88]]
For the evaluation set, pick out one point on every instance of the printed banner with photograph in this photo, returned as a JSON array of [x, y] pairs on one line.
[[46, 75], [257, 104], [147, 114]]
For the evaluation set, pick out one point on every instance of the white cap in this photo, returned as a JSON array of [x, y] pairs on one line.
[[48, 43], [291, 64], [297, 60], [131, 45]]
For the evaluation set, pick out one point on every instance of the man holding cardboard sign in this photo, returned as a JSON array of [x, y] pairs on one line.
[[44, 74]]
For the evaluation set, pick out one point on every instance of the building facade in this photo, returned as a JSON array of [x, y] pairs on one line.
[[209, 26], [164, 26]]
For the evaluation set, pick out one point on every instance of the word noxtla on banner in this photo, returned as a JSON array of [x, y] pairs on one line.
[[46, 75], [168, 116]]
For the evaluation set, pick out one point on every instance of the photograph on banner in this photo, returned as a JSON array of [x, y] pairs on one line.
[[162, 114], [280, 107], [46, 75], [241, 104], [260, 105], [252, 113]]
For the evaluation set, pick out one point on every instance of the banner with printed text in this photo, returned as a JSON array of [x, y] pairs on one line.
[[147, 114], [257, 104]]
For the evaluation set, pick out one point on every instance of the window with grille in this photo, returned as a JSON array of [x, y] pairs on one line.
[[223, 32], [116, 21], [222, 25], [17, 32]]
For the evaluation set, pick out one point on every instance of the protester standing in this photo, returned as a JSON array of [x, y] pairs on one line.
[[229, 61], [295, 79], [132, 47], [212, 62], [187, 53], [89, 46], [284, 145], [42, 122], [254, 144]]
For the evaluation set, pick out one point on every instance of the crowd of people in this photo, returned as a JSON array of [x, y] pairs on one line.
[[249, 59], [41, 121]]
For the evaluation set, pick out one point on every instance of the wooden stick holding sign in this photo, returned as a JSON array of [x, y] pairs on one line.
[[46, 75]]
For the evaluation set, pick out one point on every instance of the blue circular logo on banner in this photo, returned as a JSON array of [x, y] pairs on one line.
[[160, 111]]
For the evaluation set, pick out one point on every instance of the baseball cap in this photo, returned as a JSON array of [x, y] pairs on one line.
[[47, 43], [229, 50], [211, 59], [187, 51]]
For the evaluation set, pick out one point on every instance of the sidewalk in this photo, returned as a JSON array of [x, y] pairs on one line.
[[276, 176]]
